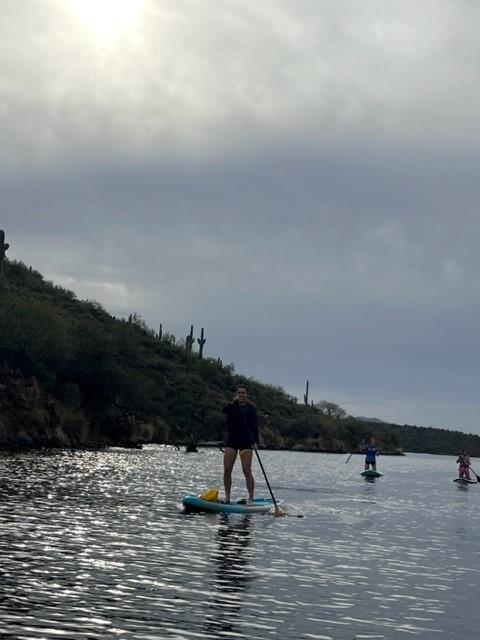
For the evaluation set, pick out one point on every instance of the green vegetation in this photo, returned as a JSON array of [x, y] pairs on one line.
[[429, 440], [118, 381]]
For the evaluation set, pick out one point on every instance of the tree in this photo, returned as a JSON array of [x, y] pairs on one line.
[[330, 409]]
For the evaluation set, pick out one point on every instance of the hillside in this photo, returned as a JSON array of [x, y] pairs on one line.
[[72, 375]]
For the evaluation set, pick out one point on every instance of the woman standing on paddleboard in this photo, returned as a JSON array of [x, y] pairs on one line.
[[463, 462], [242, 435]]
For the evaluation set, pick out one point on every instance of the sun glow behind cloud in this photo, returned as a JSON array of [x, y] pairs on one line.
[[107, 19]]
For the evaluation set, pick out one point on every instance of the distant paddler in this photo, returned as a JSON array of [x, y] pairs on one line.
[[242, 437], [463, 462], [371, 452]]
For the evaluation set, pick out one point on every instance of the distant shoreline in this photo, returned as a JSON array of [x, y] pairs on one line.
[[180, 446]]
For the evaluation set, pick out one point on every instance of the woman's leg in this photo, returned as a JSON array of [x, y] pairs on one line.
[[246, 458], [229, 457]]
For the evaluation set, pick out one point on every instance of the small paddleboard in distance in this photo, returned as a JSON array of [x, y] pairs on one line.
[[370, 473], [464, 481], [195, 503]]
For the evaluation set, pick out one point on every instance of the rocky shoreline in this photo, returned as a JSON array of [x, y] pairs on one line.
[[31, 418]]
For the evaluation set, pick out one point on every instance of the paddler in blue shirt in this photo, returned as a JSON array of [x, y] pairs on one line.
[[242, 436], [371, 452]]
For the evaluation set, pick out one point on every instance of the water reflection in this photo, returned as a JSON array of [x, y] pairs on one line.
[[233, 573], [369, 486]]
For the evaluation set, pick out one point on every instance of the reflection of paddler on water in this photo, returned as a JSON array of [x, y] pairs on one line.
[[233, 572]]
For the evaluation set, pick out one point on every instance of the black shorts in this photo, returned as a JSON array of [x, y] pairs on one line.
[[239, 445]]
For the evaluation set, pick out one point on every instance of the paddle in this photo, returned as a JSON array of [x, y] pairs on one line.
[[278, 511], [348, 459], [477, 476]]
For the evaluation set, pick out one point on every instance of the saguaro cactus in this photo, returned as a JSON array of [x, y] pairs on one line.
[[201, 341], [160, 332], [305, 395], [189, 340], [3, 248]]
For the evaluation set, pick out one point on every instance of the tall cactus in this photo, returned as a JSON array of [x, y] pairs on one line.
[[201, 341], [305, 395], [160, 332], [189, 340], [3, 248]]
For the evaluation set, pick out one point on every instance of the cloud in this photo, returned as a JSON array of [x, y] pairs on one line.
[[188, 77], [301, 179]]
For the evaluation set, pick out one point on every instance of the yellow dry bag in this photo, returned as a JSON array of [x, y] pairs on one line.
[[211, 495]]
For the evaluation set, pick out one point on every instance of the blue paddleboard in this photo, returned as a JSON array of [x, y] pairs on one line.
[[195, 503]]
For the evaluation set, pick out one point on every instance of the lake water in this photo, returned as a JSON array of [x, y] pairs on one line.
[[94, 545]]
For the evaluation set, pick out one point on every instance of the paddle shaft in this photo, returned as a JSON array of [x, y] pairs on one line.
[[265, 476], [476, 475]]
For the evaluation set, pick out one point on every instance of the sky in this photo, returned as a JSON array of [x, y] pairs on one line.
[[299, 178]]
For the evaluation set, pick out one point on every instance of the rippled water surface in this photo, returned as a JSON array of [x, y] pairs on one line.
[[94, 545]]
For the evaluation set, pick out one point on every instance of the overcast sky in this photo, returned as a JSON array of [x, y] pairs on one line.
[[301, 178]]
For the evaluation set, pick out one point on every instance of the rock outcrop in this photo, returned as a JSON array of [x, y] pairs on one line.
[[33, 418], [29, 417]]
